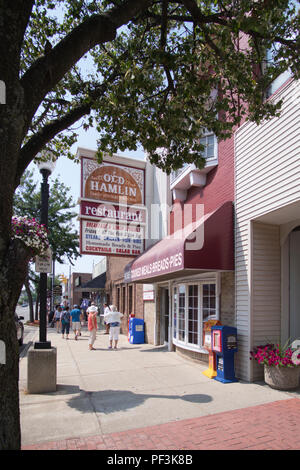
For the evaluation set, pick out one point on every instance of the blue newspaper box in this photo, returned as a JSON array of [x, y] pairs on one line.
[[224, 344], [136, 331]]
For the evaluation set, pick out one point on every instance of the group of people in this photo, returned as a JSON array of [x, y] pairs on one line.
[[66, 320], [112, 319]]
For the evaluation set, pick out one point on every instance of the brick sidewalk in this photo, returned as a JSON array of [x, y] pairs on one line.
[[273, 426]]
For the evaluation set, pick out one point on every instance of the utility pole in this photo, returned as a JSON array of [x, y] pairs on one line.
[[69, 286]]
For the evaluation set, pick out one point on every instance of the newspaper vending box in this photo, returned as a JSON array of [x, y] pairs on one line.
[[224, 345]]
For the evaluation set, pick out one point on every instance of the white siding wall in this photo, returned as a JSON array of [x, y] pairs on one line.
[[158, 202], [267, 177], [266, 273]]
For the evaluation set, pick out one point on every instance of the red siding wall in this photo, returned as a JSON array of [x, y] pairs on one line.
[[219, 186]]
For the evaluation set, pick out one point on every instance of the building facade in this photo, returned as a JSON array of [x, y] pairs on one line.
[[267, 231], [77, 291]]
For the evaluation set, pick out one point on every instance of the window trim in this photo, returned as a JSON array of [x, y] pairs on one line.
[[185, 344], [205, 135]]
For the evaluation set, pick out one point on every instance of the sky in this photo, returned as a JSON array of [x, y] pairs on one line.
[[68, 172]]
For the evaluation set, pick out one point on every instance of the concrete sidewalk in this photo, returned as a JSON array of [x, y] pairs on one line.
[[105, 392]]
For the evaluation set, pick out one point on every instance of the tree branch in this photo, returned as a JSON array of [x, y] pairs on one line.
[[48, 132], [47, 71], [36, 143], [224, 19]]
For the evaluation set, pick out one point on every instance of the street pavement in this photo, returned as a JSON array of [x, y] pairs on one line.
[[145, 397]]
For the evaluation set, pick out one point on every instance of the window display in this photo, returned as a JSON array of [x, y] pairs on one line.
[[193, 304]]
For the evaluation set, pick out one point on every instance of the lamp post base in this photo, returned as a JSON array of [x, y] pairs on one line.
[[41, 370], [42, 345]]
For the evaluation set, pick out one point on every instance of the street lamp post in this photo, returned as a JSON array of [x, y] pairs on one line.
[[46, 168]]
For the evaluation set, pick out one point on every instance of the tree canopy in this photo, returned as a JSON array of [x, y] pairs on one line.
[[178, 67]]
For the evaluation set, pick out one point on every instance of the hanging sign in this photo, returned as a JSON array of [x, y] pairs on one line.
[[112, 212], [43, 264]]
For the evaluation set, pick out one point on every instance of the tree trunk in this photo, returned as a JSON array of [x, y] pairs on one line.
[[13, 272]]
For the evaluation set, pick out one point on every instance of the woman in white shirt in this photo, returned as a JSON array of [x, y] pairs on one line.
[[113, 317], [105, 312]]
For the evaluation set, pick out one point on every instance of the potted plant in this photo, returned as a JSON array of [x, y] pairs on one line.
[[281, 365]]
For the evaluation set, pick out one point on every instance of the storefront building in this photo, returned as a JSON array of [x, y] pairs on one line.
[[267, 231], [191, 270]]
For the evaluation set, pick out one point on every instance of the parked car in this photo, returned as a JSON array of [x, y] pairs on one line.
[[20, 329]]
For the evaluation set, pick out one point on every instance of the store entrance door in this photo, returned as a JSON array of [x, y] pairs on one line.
[[164, 323], [294, 284]]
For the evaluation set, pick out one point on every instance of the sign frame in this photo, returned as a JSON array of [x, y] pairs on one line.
[[148, 295], [117, 206], [105, 252]]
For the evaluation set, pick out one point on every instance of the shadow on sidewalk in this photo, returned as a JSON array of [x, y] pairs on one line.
[[111, 401]]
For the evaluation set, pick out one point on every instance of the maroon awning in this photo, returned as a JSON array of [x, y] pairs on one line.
[[205, 245]]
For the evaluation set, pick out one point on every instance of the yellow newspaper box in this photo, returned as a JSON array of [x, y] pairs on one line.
[[211, 372]]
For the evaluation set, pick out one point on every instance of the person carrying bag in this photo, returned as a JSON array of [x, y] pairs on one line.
[[65, 322], [113, 317]]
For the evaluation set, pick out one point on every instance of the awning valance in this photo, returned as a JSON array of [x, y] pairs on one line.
[[204, 245]]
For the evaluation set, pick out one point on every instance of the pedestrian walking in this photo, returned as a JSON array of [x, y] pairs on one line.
[[113, 317], [75, 320], [92, 324], [65, 322], [84, 305], [57, 316], [106, 311]]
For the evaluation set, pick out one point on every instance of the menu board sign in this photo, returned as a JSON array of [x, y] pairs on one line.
[[101, 238]]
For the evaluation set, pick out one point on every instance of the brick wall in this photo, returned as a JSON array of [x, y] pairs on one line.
[[219, 186], [192, 355], [227, 301], [149, 318]]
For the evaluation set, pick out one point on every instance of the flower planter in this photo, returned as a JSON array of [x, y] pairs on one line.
[[282, 378]]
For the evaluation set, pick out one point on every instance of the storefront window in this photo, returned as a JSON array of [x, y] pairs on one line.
[[123, 299], [193, 304], [193, 319], [175, 307], [130, 310], [181, 313], [209, 301], [118, 298]]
